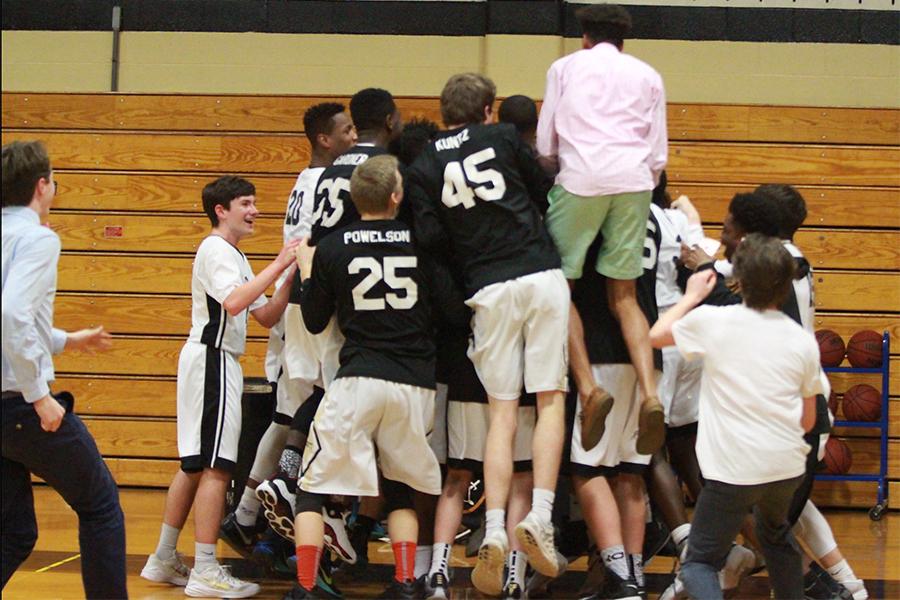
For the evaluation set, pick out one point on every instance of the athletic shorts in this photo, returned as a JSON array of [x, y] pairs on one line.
[[617, 450], [520, 332], [289, 395], [679, 387], [437, 435], [364, 424], [467, 428], [574, 222], [208, 398], [314, 358]]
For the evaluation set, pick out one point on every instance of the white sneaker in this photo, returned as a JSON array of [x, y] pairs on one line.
[[218, 582], [336, 536], [487, 576], [857, 587], [675, 591], [739, 562], [278, 506], [536, 538], [172, 570]]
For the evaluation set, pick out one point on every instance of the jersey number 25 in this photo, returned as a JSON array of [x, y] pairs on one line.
[[456, 189], [389, 274]]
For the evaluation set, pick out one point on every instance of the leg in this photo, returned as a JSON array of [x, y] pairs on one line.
[[683, 457], [665, 492], [549, 437], [516, 510], [720, 510], [498, 460], [628, 489], [636, 331], [595, 401], [19, 527], [209, 504], [309, 537], [180, 498], [779, 546]]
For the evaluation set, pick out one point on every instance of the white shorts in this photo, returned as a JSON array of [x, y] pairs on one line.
[[617, 449], [520, 332], [437, 437], [290, 394], [209, 389], [358, 415], [312, 358], [679, 387], [467, 427]]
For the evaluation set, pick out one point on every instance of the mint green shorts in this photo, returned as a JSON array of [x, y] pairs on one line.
[[574, 222]]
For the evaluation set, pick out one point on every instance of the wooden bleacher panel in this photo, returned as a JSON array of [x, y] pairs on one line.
[[849, 494], [130, 168]]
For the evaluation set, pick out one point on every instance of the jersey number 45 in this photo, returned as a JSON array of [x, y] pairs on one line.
[[457, 177]]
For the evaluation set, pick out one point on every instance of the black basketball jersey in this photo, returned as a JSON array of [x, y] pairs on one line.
[[383, 294], [474, 194], [332, 206], [602, 333]]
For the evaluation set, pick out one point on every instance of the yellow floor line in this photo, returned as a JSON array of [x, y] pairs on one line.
[[56, 564]]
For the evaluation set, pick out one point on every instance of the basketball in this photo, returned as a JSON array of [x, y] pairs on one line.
[[831, 348], [862, 403], [833, 403], [838, 458], [864, 349]]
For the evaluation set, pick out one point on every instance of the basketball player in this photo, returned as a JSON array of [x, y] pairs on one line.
[[383, 395], [603, 127], [757, 397], [330, 133], [608, 478], [224, 290], [474, 192]]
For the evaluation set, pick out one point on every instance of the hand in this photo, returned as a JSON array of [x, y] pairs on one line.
[[285, 258], [684, 204], [734, 285], [700, 285], [304, 254], [51, 413], [694, 257], [89, 340]]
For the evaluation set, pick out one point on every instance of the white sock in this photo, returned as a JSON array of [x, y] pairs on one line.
[[614, 559], [636, 567], [542, 504], [168, 540], [842, 572], [248, 509], [680, 535], [423, 560], [440, 559], [204, 556], [517, 564], [494, 519]]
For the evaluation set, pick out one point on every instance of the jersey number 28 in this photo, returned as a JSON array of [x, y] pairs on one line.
[[456, 189], [388, 273]]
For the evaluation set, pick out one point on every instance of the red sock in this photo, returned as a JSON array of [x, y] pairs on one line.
[[308, 565], [404, 561]]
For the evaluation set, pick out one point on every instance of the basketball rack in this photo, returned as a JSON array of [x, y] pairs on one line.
[[877, 511]]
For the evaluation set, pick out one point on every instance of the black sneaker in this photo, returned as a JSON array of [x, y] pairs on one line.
[[405, 590], [299, 593], [239, 537], [512, 591], [818, 584], [359, 541], [325, 577], [438, 587], [616, 588]]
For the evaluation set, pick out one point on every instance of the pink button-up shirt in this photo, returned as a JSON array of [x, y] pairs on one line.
[[604, 119]]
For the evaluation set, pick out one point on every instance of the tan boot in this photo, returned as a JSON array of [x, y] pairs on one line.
[[651, 426]]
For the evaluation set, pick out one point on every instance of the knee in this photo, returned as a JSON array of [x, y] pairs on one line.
[[397, 496], [308, 502]]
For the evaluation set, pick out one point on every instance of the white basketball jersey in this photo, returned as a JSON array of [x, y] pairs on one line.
[[674, 230], [298, 217]]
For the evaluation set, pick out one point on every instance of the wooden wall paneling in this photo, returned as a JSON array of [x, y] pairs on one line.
[[147, 438], [857, 291], [120, 395], [139, 472]]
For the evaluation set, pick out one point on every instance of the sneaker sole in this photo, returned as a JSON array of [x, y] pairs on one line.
[[651, 430], [487, 576], [330, 537], [593, 427], [157, 577], [543, 564], [439, 594], [281, 524], [208, 592]]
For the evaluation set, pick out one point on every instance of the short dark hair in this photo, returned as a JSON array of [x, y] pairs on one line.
[[370, 109], [221, 192], [660, 196], [755, 213], [765, 270], [24, 164], [373, 182], [604, 23], [464, 97], [519, 110], [791, 207], [415, 137], [320, 119]]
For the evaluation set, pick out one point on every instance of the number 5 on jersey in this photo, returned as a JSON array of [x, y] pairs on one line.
[[389, 274], [457, 190]]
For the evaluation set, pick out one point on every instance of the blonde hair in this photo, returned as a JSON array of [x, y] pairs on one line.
[[464, 97], [373, 182]]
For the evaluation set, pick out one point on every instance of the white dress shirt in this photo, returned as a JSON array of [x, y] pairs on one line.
[[30, 257]]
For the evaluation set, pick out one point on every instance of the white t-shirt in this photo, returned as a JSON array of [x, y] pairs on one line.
[[674, 230], [757, 368], [219, 268]]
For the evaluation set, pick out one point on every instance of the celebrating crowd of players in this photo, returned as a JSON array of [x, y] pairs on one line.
[[436, 293]]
